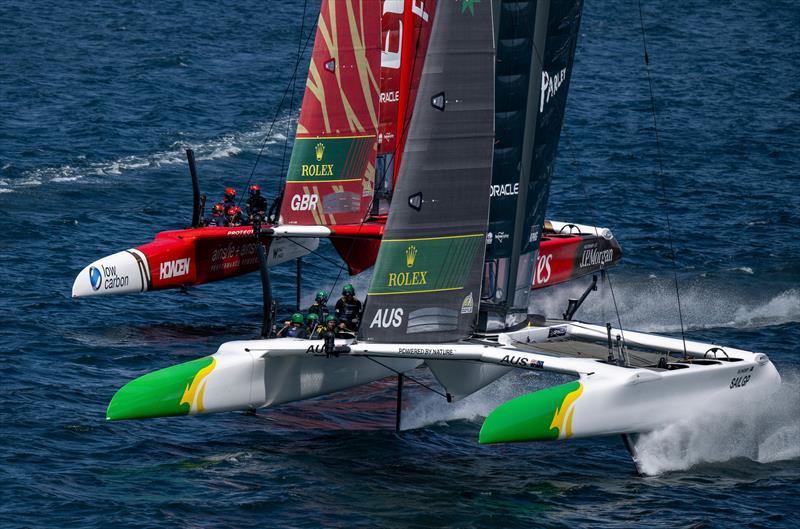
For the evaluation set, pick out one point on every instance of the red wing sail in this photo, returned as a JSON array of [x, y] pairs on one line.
[[332, 170]]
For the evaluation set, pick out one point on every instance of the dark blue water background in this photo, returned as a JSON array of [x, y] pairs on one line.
[[97, 102]]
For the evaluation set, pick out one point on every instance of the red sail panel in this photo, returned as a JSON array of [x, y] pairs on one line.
[[404, 24], [331, 173], [418, 21]]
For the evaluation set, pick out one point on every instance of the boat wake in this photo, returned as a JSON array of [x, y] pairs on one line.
[[427, 408], [224, 146], [651, 306], [765, 430]]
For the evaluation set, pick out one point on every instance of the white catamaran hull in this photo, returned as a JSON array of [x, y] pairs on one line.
[[603, 399]]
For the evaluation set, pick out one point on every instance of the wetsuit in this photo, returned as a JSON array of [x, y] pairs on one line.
[[319, 309], [215, 220], [256, 208], [349, 311], [296, 332]]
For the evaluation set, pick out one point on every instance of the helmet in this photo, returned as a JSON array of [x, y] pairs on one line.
[[297, 318], [232, 211], [348, 290], [236, 209], [230, 192], [255, 189], [330, 317], [312, 317], [321, 296], [218, 208]]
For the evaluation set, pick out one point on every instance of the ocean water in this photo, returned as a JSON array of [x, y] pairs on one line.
[[98, 101]]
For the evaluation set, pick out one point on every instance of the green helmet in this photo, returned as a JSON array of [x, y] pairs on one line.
[[348, 289], [330, 317], [321, 296], [297, 318], [312, 317]]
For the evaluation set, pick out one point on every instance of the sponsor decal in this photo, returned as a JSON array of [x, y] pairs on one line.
[[739, 382], [386, 318], [521, 361], [595, 257], [95, 278], [107, 278], [390, 97], [505, 190], [401, 279], [304, 202], [468, 304], [501, 236], [556, 332], [550, 86], [317, 169], [425, 265], [543, 269], [176, 268], [233, 256], [427, 351], [534, 236]]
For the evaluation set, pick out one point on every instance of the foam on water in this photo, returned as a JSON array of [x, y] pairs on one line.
[[428, 408], [652, 307], [225, 146], [765, 430]]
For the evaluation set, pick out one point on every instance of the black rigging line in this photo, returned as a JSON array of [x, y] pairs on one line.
[[396, 372], [275, 116], [594, 214], [661, 176], [291, 99]]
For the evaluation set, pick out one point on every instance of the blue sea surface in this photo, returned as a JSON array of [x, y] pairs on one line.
[[98, 101]]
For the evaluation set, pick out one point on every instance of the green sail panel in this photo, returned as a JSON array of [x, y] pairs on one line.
[[427, 277]]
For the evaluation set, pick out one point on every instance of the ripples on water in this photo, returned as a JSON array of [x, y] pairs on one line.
[[99, 102]]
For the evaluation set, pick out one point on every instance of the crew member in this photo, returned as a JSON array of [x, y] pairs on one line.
[[229, 198], [217, 217], [294, 328], [256, 206], [348, 308], [314, 328], [320, 305], [332, 328], [234, 217]]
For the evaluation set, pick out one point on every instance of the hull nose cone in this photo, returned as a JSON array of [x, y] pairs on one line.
[[120, 273]]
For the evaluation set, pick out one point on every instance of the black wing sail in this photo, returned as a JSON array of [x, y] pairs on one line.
[[536, 46], [426, 284]]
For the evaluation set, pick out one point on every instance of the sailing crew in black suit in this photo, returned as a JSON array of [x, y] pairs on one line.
[[234, 217], [348, 309], [256, 206], [229, 198], [320, 305], [332, 329], [294, 328], [217, 217]]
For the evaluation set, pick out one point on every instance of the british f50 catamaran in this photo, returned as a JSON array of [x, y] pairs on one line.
[[418, 107]]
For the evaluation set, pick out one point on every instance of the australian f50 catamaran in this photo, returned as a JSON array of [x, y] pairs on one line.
[[431, 104]]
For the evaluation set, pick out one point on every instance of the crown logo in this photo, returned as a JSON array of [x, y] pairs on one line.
[[319, 150], [411, 255]]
